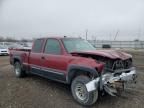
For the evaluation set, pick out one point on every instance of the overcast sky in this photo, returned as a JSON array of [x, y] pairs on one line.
[[102, 18]]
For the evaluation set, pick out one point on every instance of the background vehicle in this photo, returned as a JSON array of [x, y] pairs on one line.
[[76, 62], [4, 50]]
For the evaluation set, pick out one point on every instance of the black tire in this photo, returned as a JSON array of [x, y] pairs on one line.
[[89, 97], [19, 72]]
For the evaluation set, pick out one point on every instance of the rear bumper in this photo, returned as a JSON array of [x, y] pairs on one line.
[[108, 81]]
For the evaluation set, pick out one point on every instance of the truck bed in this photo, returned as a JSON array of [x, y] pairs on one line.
[[23, 54]]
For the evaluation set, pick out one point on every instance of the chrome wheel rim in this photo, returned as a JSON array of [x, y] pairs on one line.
[[81, 91], [17, 70]]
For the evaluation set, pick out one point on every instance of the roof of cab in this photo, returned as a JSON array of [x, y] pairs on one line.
[[59, 37]]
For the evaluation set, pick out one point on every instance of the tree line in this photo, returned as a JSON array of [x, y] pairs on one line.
[[12, 39]]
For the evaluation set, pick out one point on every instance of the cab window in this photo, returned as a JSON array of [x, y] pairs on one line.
[[52, 47], [37, 46]]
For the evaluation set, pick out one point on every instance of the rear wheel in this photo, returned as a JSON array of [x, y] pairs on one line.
[[19, 72], [80, 93]]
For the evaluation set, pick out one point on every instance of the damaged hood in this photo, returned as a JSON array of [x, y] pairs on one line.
[[113, 54]]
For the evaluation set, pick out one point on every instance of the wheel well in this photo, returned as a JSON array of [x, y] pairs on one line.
[[77, 72], [16, 60]]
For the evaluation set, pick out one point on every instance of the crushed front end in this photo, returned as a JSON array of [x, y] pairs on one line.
[[114, 83], [114, 80]]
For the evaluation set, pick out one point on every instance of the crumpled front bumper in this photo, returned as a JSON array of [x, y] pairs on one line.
[[108, 81]]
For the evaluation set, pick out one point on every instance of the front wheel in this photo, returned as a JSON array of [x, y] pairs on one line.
[[18, 70], [80, 93]]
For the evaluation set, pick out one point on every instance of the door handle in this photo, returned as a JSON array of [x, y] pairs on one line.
[[42, 57]]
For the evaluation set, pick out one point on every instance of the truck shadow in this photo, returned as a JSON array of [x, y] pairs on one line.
[[64, 93]]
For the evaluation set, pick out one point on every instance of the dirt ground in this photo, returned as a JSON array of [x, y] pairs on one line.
[[37, 92]]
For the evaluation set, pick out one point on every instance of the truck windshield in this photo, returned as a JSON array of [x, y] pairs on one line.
[[73, 45]]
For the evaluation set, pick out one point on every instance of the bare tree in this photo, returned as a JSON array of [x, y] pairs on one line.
[[1, 39], [24, 40], [11, 39]]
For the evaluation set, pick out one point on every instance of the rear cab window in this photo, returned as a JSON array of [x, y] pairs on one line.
[[37, 48]]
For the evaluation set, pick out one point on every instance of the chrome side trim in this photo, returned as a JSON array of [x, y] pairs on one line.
[[35, 67], [47, 70], [55, 72]]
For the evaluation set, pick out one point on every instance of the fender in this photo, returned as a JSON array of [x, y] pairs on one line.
[[16, 57], [73, 67]]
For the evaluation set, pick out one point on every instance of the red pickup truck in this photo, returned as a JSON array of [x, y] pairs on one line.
[[76, 62]]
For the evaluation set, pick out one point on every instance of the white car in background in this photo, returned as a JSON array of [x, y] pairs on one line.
[[4, 50]]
